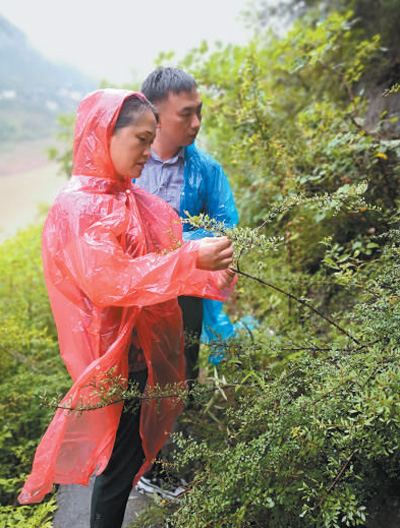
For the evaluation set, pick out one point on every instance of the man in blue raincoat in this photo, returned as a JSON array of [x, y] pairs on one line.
[[192, 182]]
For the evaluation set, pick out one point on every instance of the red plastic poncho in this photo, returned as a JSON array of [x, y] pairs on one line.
[[110, 265]]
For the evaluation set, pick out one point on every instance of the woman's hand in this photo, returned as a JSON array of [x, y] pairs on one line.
[[215, 254], [225, 278]]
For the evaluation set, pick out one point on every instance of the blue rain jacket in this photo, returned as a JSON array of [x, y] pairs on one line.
[[206, 190]]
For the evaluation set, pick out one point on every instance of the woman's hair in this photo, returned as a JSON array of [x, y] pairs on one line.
[[162, 81], [132, 110]]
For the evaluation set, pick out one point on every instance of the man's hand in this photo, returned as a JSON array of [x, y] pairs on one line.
[[215, 254]]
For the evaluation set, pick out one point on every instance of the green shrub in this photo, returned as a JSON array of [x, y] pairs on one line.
[[29, 362], [299, 424]]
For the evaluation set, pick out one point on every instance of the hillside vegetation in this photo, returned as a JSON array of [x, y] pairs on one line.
[[299, 424], [33, 90]]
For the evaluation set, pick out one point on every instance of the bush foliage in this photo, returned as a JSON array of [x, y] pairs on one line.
[[298, 426], [30, 365], [303, 424]]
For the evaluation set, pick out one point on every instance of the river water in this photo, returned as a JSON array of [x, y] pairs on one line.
[[23, 194], [28, 180]]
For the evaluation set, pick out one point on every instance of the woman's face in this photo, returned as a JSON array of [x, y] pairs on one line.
[[130, 146]]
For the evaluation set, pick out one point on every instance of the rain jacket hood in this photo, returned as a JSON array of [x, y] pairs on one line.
[[114, 261]]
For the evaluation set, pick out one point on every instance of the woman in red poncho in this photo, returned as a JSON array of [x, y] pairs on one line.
[[114, 264]]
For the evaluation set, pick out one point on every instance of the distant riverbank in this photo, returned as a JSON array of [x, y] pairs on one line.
[[22, 193], [24, 156], [27, 179]]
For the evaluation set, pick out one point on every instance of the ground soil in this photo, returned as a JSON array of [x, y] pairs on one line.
[[74, 506]]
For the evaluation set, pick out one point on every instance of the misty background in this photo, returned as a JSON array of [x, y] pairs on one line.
[[52, 54]]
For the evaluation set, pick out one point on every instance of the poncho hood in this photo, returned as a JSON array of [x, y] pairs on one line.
[[95, 122]]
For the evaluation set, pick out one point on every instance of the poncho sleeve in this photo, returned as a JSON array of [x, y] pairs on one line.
[[94, 256]]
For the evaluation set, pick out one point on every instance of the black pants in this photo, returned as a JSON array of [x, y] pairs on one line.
[[111, 488], [192, 315]]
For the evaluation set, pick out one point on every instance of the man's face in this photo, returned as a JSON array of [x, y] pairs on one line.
[[180, 118]]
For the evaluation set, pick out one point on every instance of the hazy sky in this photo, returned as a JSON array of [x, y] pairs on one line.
[[117, 39]]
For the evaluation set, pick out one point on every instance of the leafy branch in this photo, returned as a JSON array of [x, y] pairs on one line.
[[299, 300], [246, 239]]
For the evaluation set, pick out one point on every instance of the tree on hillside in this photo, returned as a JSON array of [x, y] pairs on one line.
[[370, 18]]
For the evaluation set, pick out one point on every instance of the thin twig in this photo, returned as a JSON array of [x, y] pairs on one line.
[[301, 301], [139, 397], [336, 479], [314, 402]]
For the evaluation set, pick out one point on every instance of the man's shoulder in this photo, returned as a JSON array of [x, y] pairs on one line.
[[192, 152]]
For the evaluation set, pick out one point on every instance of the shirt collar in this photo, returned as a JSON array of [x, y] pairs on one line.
[[179, 155]]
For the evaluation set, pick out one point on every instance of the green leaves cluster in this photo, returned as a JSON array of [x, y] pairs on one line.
[[300, 435], [303, 430], [29, 364]]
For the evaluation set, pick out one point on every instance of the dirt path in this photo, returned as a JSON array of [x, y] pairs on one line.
[[74, 506]]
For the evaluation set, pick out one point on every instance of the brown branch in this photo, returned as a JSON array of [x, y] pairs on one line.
[[330, 349], [336, 479], [225, 386], [389, 190], [314, 349], [301, 301], [139, 397], [356, 111], [314, 402], [338, 476], [83, 408]]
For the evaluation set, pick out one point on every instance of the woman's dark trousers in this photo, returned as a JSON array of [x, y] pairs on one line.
[[112, 488], [192, 316]]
